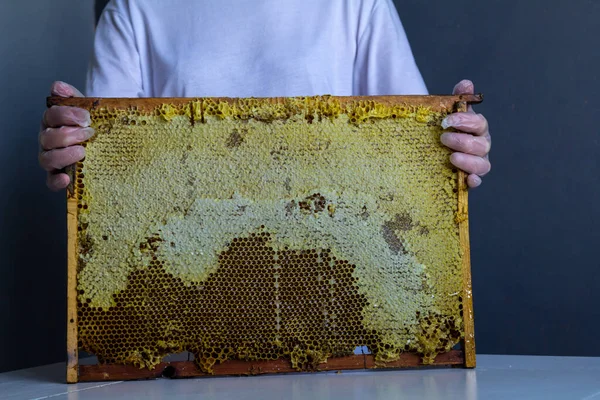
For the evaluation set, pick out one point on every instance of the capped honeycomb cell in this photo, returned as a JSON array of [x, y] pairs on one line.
[[290, 230]]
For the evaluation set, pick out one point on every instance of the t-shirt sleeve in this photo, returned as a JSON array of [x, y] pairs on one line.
[[114, 70], [385, 64]]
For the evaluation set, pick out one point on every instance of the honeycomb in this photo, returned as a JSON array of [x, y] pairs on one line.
[[260, 229]]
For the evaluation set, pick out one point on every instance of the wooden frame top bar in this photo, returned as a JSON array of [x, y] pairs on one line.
[[148, 103]]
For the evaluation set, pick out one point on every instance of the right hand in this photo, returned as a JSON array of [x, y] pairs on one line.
[[62, 129]]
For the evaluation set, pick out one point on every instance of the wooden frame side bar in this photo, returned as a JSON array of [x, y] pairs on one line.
[[72, 348], [468, 343]]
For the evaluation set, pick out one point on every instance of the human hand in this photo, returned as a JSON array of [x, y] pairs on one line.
[[473, 146], [62, 129]]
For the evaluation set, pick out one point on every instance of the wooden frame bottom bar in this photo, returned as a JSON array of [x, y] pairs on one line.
[[188, 369]]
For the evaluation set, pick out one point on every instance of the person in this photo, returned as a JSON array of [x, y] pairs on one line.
[[250, 48]]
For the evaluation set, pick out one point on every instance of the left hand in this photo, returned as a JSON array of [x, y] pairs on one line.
[[473, 146]]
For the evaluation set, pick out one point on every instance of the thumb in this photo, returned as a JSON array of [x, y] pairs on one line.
[[63, 89], [464, 87]]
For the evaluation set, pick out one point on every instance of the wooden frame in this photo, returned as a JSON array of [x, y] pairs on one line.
[[76, 372], [468, 343]]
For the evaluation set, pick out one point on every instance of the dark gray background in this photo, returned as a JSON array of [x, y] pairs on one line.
[[40, 41], [533, 222]]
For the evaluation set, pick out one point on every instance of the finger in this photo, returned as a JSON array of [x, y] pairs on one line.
[[65, 136], [465, 143], [467, 122], [471, 164], [54, 160], [474, 180], [63, 89], [464, 87], [57, 116], [57, 181]]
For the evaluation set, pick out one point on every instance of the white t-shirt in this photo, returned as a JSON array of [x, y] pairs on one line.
[[251, 48]]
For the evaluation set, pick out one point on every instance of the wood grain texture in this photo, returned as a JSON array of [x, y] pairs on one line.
[[468, 343], [72, 348], [436, 103], [187, 369]]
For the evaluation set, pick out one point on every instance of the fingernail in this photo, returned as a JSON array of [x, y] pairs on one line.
[[445, 138], [455, 158], [84, 120], [446, 123], [87, 133], [79, 152], [62, 89], [475, 180]]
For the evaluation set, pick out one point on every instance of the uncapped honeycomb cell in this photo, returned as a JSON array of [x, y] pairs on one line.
[[256, 229]]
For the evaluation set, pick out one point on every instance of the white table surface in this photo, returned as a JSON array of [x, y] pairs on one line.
[[496, 377]]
